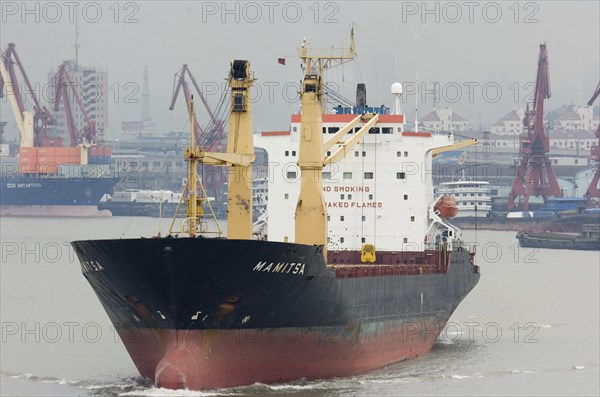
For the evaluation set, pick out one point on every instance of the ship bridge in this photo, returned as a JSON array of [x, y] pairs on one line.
[[379, 194]]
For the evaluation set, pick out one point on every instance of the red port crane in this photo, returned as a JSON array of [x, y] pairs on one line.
[[593, 192], [212, 140], [534, 173], [64, 85], [42, 118], [207, 139]]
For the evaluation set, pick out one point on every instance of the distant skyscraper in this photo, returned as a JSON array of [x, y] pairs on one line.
[[91, 84]]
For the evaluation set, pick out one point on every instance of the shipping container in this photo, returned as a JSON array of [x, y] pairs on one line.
[[28, 151], [28, 167], [46, 151], [95, 151]]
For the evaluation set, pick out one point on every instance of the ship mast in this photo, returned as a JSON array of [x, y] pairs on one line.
[[194, 204], [239, 157], [311, 212], [240, 141]]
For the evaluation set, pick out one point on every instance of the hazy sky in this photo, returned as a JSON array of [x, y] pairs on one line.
[[483, 55]]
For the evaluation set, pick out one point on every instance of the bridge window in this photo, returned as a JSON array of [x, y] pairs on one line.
[[374, 130], [333, 130], [387, 130]]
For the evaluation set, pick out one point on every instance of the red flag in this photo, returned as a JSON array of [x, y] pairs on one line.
[[281, 61]]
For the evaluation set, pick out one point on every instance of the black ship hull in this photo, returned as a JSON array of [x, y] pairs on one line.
[[206, 313]]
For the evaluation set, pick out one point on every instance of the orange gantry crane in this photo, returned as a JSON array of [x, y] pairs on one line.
[[534, 173]]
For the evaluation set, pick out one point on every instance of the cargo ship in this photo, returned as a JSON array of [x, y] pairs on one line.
[[587, 239], [48, 178], [51, 181], [317, 296]]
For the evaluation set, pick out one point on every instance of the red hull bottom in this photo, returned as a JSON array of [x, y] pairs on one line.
[[53, 211], [210, 359]]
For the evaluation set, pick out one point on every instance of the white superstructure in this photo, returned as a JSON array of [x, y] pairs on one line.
[[380, 194], [473, 198]]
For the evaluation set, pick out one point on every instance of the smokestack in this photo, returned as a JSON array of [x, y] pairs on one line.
[[361, 95]]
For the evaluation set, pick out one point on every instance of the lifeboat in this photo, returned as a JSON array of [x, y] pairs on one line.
[[446, 207]]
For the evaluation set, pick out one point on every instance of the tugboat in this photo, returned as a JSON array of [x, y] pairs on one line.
[[201, 312]]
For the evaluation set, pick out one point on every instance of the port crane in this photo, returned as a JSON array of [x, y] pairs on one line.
[[32, 123], [593, 192], [210, 140], [64, 85], [206, 139], [534, 173]]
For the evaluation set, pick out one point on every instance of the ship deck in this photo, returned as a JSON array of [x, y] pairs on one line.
[[375, 270]]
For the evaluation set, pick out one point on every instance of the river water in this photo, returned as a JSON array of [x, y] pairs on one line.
[[530, 327]]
